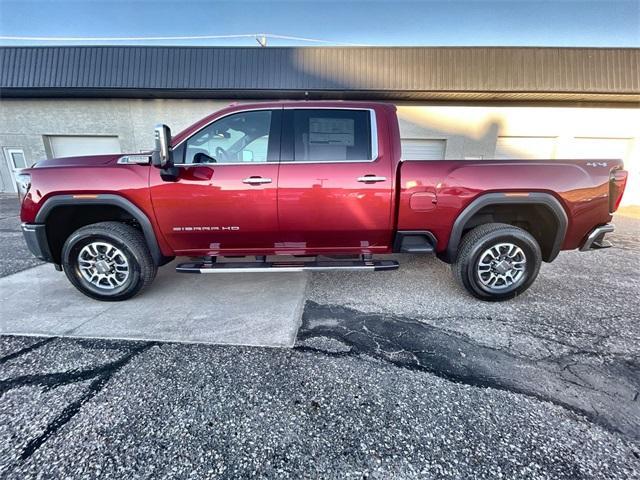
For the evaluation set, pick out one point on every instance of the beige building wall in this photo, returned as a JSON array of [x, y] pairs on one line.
[[473, 131], [469, 131]]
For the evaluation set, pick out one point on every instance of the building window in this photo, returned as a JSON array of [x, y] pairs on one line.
[[530, 148], [423, 149]]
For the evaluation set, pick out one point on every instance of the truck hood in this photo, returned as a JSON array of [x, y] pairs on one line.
[[87, 161]]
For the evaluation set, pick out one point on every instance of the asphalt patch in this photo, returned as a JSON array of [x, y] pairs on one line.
[[605, 392]]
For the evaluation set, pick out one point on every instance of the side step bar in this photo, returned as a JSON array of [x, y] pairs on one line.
[[257, 267], [414, 241]]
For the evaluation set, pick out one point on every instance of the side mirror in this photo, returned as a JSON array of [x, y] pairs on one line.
[[162, 157]]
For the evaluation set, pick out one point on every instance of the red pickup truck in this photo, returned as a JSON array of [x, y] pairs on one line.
[[323, 180]]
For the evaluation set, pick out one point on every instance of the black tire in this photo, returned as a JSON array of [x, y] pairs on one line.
[[141, 269], [473, 249]]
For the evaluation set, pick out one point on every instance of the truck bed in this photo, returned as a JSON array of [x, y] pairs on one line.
[[435, 193]]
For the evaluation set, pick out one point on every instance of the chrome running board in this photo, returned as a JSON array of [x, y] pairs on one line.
[[288, 267]]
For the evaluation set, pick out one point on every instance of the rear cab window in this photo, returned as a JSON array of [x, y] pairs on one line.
[[328, 135]]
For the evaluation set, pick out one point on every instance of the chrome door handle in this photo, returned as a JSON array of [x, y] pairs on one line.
[[371, 179], [256, 180]]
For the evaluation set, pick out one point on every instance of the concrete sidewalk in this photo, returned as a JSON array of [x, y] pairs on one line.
[[239, 309]]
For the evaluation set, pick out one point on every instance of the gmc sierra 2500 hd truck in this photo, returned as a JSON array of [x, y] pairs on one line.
[[308, 179]]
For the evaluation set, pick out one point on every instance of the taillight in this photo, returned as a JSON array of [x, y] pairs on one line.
[[617, 182], [23, 182]]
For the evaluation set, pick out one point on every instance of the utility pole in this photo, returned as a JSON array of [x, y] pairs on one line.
[[261, 39]]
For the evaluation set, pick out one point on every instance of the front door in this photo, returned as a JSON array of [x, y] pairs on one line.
[[335, 185], [225, 198]]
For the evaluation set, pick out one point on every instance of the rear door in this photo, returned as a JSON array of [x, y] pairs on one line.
[[335, 183], [225, 197]]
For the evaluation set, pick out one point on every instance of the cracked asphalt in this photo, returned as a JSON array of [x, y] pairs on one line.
[[395, 375], [14, 254]]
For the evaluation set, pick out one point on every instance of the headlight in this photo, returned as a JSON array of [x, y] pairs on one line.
[[23, 180]]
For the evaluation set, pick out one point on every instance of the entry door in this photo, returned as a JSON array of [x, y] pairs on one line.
[[15, 161], [334, 191], [225, 197]]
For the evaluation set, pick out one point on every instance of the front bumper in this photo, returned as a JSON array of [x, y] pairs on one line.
[[35, 235], [595, 240]]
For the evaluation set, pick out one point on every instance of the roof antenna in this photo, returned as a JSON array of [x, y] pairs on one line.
[[261, 39]]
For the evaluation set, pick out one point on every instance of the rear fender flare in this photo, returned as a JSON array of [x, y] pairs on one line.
[[107, 199], [532, 198]]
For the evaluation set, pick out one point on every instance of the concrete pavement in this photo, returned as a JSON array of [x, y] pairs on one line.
[[239, 309]]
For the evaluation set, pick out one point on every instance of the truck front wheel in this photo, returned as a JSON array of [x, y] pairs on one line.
[[497, 261], [108, 261]]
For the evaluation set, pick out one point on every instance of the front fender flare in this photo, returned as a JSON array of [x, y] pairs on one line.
[[106, 199]]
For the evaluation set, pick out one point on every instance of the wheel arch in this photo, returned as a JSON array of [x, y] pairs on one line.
[[105, 200], [546, 201]]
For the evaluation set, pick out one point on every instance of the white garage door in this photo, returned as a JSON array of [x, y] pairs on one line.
[[525, 147], [601, 148], [612, 148], [71, 146], [421, 149]]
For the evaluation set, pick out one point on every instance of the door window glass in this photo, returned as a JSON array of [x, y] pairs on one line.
[[331, 135], [239, 138], [18, 160]]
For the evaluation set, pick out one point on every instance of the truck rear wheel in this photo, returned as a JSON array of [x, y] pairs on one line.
[[497, 261], [108, 261]]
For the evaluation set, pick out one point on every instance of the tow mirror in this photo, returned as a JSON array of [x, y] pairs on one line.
[[162, 153]]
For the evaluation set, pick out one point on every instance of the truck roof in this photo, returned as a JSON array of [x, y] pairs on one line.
[[238, 107]]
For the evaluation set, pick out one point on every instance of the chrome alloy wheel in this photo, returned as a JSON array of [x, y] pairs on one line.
[[103, 265], [501, 266]]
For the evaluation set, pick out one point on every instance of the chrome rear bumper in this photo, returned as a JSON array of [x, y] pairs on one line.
[[595, 240]]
